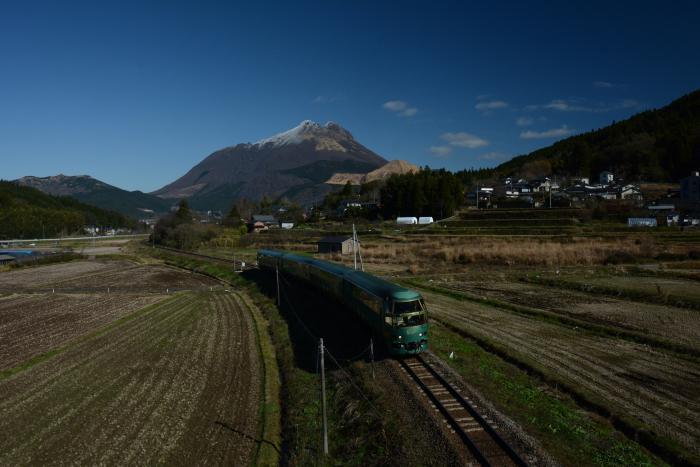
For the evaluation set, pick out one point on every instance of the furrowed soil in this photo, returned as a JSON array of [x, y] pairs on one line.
[[664, 322], [31, 324], [37, 320], [636, 382], [175, 383], [55, 272]]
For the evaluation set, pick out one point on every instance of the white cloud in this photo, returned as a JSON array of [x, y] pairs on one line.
[[524, 121], [490, 105], [492, 156], [400, 108], [395, 106], [603, 84], [567, 106], [553, 133], [464, 140], [440, 151], [574, 105]]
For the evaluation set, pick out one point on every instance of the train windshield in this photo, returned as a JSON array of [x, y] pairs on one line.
[[409, 313]]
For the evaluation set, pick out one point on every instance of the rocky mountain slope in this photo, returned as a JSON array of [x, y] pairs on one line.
[[294, 164], [390, 168]]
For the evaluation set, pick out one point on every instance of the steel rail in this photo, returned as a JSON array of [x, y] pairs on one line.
[[472, 445]]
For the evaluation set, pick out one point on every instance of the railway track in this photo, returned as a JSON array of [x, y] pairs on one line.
[[461, 415], [201, 256]]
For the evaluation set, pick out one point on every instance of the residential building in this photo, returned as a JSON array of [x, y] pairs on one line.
[[606, 178]]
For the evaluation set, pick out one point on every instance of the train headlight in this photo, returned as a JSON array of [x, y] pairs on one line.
[[420, 334], [400, 337]]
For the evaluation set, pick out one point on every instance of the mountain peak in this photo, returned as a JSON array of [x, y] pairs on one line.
[[306, 130]]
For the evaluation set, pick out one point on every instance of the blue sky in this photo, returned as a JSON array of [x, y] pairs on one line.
[[136, 93]]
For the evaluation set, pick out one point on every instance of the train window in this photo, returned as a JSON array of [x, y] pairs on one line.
[[408, 307], [408, 314]]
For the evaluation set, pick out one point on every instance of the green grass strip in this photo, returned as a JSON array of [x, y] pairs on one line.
[[268, 450], [570, 435], [634, 430]]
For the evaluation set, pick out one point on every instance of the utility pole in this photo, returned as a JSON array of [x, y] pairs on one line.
[[277, 273], [354, 247], [477, 196], [323, 398], [359, 253], [371, 354]]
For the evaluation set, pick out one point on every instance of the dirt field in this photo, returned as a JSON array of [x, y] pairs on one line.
[[121, 276], [661, 321], [148, 277], [31, 324], [175, 383], [36, 276], [658, 389], [682, 289]]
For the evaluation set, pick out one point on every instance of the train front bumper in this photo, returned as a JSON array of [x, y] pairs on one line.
[[399, 347]]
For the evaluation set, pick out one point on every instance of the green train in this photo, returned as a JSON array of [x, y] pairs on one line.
[[395, 314]]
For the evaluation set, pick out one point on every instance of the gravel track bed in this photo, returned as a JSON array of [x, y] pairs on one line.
[[178, 383], [612, 369]]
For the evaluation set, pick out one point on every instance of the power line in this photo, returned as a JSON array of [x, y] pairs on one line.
[[347, 375]]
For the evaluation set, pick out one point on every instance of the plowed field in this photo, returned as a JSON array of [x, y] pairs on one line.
[[177, 382], [659, 389], [664, 322], [31, 324]]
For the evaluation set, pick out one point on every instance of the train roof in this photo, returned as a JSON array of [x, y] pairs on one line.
[[373, 284]]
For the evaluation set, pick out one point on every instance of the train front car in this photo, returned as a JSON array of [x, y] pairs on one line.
[[406, 323]]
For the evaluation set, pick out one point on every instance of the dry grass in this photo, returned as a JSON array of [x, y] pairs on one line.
[[508, 251]]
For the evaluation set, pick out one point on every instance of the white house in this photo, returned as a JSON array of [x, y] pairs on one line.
[[606, 178]]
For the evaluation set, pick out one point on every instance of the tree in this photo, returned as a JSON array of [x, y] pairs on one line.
[[233, 218], [183, 214]]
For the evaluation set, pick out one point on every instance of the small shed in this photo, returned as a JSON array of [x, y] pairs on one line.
[[406, 220], [425, 220], [335, 244], [642, 222]]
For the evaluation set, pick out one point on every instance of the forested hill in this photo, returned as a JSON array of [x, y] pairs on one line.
[[28, 213], [660, 145]]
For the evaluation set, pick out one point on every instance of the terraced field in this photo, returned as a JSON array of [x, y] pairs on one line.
[[177, 382], [636, 382], [663, 322]]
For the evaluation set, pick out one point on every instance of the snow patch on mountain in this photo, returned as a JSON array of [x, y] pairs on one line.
[[294, 136]]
